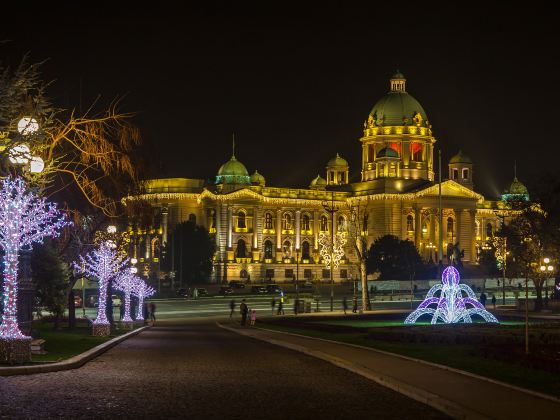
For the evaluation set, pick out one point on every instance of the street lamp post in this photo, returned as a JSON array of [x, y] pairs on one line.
[[330, 208], [500, 243], [297, 273]]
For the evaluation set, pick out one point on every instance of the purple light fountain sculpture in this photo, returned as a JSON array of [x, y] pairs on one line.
[[455, 303]]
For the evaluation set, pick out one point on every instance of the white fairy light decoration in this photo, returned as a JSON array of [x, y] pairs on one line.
[[104, 263], [24, 219], [141, 290]]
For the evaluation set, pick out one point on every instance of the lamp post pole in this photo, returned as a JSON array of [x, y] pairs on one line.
[[332, 210]]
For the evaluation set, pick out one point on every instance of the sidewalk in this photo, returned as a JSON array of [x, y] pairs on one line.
[[457, 393]]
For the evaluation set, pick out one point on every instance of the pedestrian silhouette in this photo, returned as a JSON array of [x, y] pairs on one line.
[[296, 306], [494, 301], [280, 308], [344, 305], [355, 304], [483, 299], [243, 309], [231, 307], [273, 305], [153, 312]]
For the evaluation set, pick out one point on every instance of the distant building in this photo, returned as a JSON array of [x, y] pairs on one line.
[[260, 230]]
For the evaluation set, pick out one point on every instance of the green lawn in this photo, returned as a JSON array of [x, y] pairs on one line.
[[65, 343], [459, 356]]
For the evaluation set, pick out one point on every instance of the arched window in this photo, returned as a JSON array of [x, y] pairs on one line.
[[305, 250], [268, 221], [192, 218], [241, 220], [416, 151], [409, 223], [287, 249], [489, 230], [341, 224], [212, 223], [450, 225], [243, 274], [324, 224], [287, 221], [305, 223], [156, 249], [241, 251], [268, 250]]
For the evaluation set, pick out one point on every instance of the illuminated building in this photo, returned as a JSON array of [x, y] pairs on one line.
[[260, 230]]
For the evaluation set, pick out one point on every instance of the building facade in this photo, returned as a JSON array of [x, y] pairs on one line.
[[280, 233]]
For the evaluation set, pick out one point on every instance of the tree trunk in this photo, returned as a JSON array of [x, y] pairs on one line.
[[538, 288], [71, 310], [71, 305], [366, 306]]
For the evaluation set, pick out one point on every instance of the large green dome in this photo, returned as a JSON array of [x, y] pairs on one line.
[[398, 107], [233, 172]]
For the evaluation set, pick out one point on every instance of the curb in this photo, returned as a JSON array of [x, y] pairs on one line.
[[433, 400], [72, 363]]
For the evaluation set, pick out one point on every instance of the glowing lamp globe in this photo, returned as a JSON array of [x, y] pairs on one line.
[[111, 229], [133, 260], [27, 125], [37, 165], [20, 154], [133, 270]]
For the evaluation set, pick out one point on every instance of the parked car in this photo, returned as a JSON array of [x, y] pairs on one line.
[[273, 288], [183, 293], [225, 290], [236, 284], [258, 290], [306, 286], [77, 301], [202, 291]]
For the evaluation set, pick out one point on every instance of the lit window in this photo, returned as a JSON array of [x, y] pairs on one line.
[[409, 223], [324, 224], [455, 174], [305, 223], [268, 221], [241, 220], [287, 222], [465, 173]]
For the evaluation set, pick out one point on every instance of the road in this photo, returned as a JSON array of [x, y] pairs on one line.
[[194, 369]]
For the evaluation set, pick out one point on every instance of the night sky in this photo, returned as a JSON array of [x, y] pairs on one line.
[[296, 82]]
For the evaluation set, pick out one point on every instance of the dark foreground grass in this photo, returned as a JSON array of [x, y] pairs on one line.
[[459, 356], [65, 343]]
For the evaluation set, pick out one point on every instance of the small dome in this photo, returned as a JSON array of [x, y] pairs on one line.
[[517, 188], [398, 75], [338, 161], [387, 152], [257, 179], [460, 158], [318, 182], [233, 172]]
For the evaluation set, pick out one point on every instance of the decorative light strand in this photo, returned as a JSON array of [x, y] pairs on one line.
[[24, 219], [104, 264], [125, 281], [141, 290], [337, 249], [450, 306]]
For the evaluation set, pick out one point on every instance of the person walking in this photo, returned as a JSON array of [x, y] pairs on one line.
[[280, 308], [195, 294], [243, 310], [273, 304], [494, 300], [231, 307], [145, 313], [344, 304], [296, 306], [483, 299], [253, 317], [355, 304], [153, 312]]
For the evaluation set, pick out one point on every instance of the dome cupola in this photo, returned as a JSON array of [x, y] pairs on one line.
[[258, 179], [318, 183], [233, 172], [337, 171]]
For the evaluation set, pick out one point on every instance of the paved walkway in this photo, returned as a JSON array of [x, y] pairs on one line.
[[460, 395]]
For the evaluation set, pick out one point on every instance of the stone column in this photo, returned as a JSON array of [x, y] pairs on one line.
[[278, 229], [458, 214], [316, 216], [148, 245], [229, 227], [417, 227], [472, 239], [298, 230], [164, 214]]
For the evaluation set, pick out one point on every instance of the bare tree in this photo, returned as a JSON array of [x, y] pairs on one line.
[[357, 232]]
